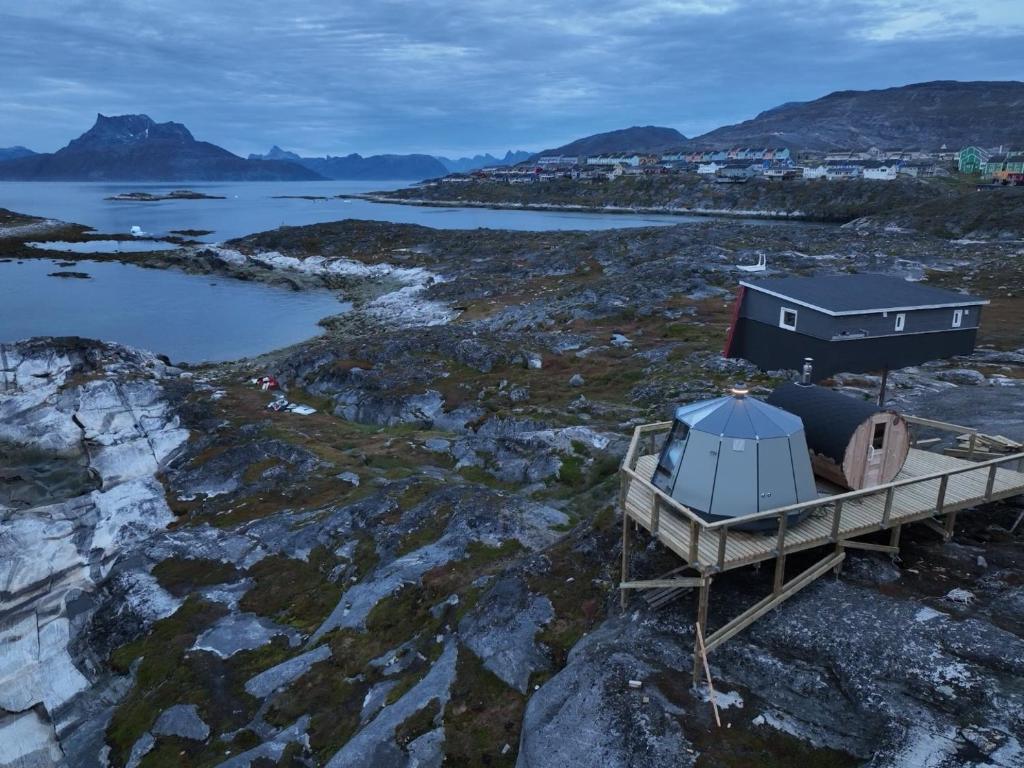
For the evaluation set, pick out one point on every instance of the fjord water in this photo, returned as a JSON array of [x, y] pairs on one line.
[[189, 318], [251, 207]]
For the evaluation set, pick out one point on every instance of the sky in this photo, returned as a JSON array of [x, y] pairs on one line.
[[458, 77]]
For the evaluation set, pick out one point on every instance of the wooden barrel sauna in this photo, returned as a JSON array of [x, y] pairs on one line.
[[853, 443]]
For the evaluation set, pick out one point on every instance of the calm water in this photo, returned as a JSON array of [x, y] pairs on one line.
[[252, 207], [189, 318]]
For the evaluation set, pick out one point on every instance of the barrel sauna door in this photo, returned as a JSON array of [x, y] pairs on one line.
[[874, 467]]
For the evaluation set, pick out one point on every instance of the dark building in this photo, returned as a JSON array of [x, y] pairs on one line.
[[854, 323]]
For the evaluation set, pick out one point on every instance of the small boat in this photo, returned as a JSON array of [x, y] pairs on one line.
[[136, 231]]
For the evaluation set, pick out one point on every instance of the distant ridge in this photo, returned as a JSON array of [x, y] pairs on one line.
[[917, 116], [13, 153], [135, 148], [355, 167], [648, 138], [463, 164]]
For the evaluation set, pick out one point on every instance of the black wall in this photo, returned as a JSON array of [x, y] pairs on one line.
[[773, 348]]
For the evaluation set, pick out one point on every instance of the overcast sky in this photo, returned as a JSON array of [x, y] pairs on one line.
[[465, 76]]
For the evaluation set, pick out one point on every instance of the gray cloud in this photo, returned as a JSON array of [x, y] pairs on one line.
[[469, 75]]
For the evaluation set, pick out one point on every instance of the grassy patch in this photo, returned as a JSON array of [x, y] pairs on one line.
[[168, 675], [294, 592], [482, 716], [182, 576]]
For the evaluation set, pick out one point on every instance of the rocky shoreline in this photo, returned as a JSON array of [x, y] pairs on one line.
[[423, 571]]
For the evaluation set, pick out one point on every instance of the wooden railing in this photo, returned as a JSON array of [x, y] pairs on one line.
[[945, 426], [700, 527]]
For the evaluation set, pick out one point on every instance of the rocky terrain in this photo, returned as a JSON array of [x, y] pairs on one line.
[[423, 571]]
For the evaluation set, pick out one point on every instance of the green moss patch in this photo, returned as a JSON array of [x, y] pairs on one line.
[[294, 592], [167, 674], [182, 576], [482, 716]]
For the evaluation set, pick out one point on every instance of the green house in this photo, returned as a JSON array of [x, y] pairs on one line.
[[1002, 164], [971, 159]]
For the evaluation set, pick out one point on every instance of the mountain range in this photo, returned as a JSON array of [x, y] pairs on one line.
[[918, 116], [647, 138], [354, 166], [135, 148], [463, 164]]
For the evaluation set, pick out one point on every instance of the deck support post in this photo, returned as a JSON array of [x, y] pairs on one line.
[[702, 621], [625, 554], [950, 522], [894, 537]]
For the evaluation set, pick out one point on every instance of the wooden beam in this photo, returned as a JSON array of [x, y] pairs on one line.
[[851, 544], [682, 582], [991, 483], [702, 620], [894, 537], [694, 542], [707, 672], [758, 610], [934, 526], [625, 555]]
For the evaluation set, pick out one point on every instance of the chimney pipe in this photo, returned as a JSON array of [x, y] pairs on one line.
[[805, 376]]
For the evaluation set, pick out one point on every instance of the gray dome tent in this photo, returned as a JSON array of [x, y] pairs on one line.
[[735, 456]]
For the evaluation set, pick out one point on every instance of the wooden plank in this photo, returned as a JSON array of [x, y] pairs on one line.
[[850, 544], [758, 610], [682, 582]]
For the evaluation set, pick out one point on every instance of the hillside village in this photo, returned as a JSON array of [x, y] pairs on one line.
[[992, 166]]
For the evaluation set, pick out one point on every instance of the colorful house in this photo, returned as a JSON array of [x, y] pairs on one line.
[[971, 159]]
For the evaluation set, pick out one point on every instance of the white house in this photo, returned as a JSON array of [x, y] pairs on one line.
[[549, 160], [815, 171], [882, 172], [632, 160], [708, 169]]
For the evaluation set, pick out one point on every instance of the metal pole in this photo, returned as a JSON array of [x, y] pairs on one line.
[[881, 390]]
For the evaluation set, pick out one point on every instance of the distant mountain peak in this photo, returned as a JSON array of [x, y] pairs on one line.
[[637, 138], [464, 164], [135, 147], [276, 153], [109, 131]]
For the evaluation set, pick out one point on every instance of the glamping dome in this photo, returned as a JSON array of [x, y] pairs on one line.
[[853, 443], [735, 456]]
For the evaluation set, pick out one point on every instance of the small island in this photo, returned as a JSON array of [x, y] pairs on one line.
[[151, 197]]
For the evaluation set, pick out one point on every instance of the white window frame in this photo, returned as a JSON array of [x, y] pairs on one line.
[[782, 318], [901, 321], [958, 318]]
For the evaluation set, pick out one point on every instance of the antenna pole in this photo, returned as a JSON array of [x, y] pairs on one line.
[[881, 390]]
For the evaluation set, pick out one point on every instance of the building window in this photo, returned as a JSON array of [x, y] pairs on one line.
[[787, 318], [901, 321], [958, 317], [878, 436]]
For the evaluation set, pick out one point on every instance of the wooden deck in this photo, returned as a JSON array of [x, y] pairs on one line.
[[860, 515], [930, 487]]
